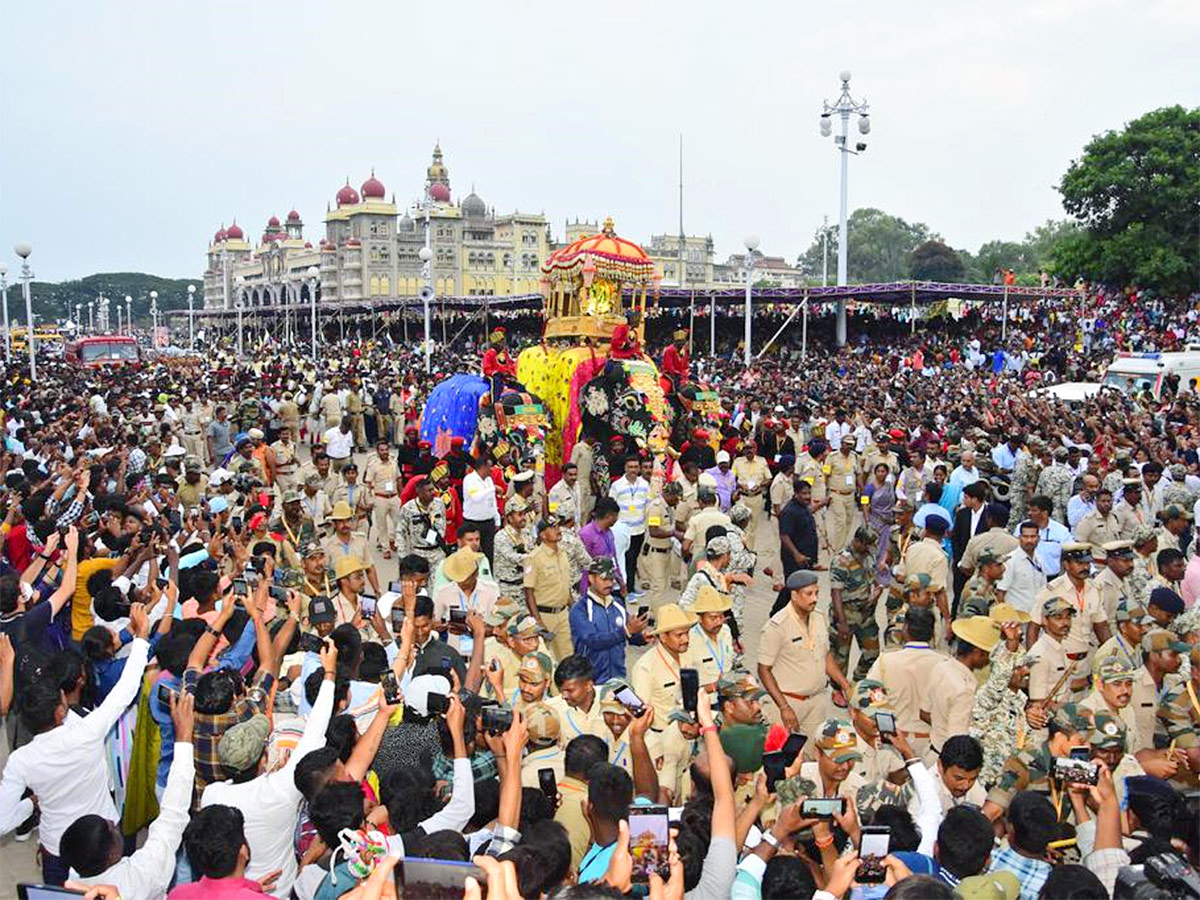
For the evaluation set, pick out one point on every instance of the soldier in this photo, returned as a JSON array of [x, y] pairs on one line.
[[1057, 482], [1077, 589], [1176, 521], [841, 469], [345, 542], [382, 478], [1024, 477], [912, 593], [193, 484], [1145, 568], [289, 415], [1175, 492], [854, 590], [881, 767], [297, 529], [533, 681], [315, 502], [244, 462], [998, 713], [423, 525], [249, 412], [1177, 723], [1029, 769], [510, 549], [1114, 481], [1112, 693], [286, 462], [980, 592], [742, 562], [547, 583], [656, 551], [1131, 513], [355, 409]]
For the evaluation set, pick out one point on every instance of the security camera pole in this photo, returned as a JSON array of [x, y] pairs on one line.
[[845, 107]]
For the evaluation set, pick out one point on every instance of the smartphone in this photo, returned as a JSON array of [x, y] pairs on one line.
[[279, 594], [367, 604], [1081, 753], [164, 696], [240, 586], [175, 519], [437, 704], [792, 746], [396, 587], [1075, 771], [886, 723], [643, 611], [235, 522], [873, 847], [627, 698], [397, 618], [689, 682], [648, 839], [774, 765], [310, 643], [496, 719], [822, 807], [494, 665], [458, 616], [46, 892], [420, 877], [391, 688], [549, 784]]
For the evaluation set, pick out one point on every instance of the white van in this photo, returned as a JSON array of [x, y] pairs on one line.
[[1138, 372]]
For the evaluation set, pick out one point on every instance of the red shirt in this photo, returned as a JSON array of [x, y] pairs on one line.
[[498, 361], [17, 547], [675, 362]]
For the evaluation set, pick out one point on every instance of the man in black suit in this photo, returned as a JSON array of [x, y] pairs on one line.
[[968, 522]]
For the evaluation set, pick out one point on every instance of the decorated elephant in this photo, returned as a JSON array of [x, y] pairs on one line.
[[461, 406], [694, 406], [621, 400]]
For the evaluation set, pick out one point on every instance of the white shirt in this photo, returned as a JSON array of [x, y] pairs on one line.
[[338, 445], [147, 874], [1023, 579], [631, 497], [479, 498], [270, 803], [62, 766]]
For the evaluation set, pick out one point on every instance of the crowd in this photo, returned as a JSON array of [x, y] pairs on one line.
[[256, 636]]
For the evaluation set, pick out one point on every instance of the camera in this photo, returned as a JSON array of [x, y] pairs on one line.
[[1162, 877], [1076, 771], [437, 704], [496, 719]]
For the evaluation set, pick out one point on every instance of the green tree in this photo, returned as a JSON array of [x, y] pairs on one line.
[[934, 261], [1136, 192], [880, 247], [56, 301]]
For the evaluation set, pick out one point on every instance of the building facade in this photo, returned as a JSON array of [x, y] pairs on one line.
[[371, 250]]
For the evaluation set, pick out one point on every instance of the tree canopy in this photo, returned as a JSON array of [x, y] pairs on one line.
[[934, 261]]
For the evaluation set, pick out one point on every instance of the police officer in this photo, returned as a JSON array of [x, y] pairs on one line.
[[853, 592], [656, 551], [510, 549], [547, 585]]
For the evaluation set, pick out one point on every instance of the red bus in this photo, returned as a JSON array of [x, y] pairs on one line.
[[102, 350]]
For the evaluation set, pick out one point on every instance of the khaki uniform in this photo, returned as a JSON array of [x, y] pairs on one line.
[[193, 435], [583, 456], [1089, 609], [563, 500], [716, 656], [189, 494], [357, 547], [754, 480], [698, 525], [551, 757], [1129, 519], [907, 673], [383, 479], [1052, 662], [655, 679], [1133, 739], [1096, 529], [331, 409], [354, 409], [287, 466], [656, 552], [998, 540], [948, 699], [358, 498], [927, 556], [872, 459], [574, 721], [570, 816], [548, 574], [796, 654], [841, 469], [1111, 590], [289, 415]]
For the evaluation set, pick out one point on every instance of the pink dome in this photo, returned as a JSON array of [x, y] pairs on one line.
[[273, 222], [439, 192], [373, 187], [347, 196], [293, 216], [235, 232], [219, 236], [308, 245]]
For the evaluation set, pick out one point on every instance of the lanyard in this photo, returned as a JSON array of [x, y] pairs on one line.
[[624, 745], [721, 660], [1192, 696], [672, 668], [466, 602]]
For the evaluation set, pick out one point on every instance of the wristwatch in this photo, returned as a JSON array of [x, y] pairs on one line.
[[770, 839]]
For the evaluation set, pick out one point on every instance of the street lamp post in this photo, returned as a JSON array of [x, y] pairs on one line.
[[845, 107], [426, 254], [91, 317], [128, 315], [191, 317], [239, 302], [78, 318], [118, 318], [314, 275], [824, 251], [23, 250], [7, 336], [154, 318], [751, 247]]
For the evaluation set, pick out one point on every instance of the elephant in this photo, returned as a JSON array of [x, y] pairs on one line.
[[616, 403], [461, 406]]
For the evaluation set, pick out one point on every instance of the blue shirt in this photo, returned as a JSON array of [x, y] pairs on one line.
[[1077, 508], [1049, 548]]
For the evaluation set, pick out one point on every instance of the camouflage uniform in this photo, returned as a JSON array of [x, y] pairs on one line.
[[741, 561], [854, 576], [1177, 494], [1029, 769], [248, 413], [977, 598], [998, 716], [1056, 482], [509, 553], [1177, 722], [1024, 476], [579, 557], [415, 523], [1140, 581]]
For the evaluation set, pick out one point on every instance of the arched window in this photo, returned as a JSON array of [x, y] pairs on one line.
[[374, 285], [385, 286]]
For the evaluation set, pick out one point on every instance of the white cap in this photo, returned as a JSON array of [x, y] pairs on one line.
[[122, 584], [416, 695], [722, 456], [219, 477], [175, 450]]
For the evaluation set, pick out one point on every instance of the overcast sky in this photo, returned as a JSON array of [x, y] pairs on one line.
[[129, 131]]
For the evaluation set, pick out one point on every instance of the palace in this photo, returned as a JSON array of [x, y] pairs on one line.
[[371, 251]]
